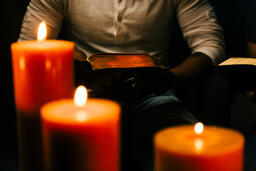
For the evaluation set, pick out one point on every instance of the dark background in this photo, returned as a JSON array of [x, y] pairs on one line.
[[232, 16], [12, 12]]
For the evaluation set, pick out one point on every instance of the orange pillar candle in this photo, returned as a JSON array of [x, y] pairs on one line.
[[42, 71], [79, 136], [182, 148]]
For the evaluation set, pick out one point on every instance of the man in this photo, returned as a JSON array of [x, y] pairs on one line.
[[138, 26]]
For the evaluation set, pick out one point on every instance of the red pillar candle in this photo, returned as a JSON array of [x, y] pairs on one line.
[[183, 149], [81, 137], [42, 71]]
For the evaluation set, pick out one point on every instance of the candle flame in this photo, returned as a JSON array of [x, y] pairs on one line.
[[80, 96], [199, 128], [48, 65], [198, 145], [22, 63], [42, 32], [81, 116]]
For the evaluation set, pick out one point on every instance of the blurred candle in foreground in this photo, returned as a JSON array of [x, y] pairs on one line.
[[42, 71], [80, 134], [198, 148]]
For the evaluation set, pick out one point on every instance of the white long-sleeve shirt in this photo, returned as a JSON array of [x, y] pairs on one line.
[[128, 26]]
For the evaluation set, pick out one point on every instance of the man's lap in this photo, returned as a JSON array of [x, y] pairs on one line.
[[142, 119]]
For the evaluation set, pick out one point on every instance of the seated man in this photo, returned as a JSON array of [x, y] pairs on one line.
[[122, 26]]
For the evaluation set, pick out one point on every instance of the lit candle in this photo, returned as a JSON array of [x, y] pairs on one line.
[[195, 148], [42, 71], [79, 136]]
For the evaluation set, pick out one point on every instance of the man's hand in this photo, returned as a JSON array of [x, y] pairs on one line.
[[196, 66], [251, 49], [131, 83], [79, 55], [155, 82]]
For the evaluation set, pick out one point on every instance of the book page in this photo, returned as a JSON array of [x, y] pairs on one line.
[[103, 61], [239, 61]]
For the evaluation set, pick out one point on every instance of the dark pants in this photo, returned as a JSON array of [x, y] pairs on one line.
[[142, 116], [141, 120]]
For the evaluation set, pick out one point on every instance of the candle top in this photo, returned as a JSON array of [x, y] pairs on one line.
[[183, 139], [66, 112], [50, 45]]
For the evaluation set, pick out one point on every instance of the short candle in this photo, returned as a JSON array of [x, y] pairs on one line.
[[79, 136], [189, 148]]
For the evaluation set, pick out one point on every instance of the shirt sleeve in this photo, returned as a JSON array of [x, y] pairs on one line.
[[50, 11], [251, 34], [200, 29]]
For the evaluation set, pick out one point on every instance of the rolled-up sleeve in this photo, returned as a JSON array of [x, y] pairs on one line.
[[200, 29], [50, 11]]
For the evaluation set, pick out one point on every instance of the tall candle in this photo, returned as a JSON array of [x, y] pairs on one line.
[[42, 71], [182, 148], [79, 136]]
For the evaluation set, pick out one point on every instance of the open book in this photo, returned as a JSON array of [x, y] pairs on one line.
[[119, 61], [126, 76], [241, 72], [239, 61]]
